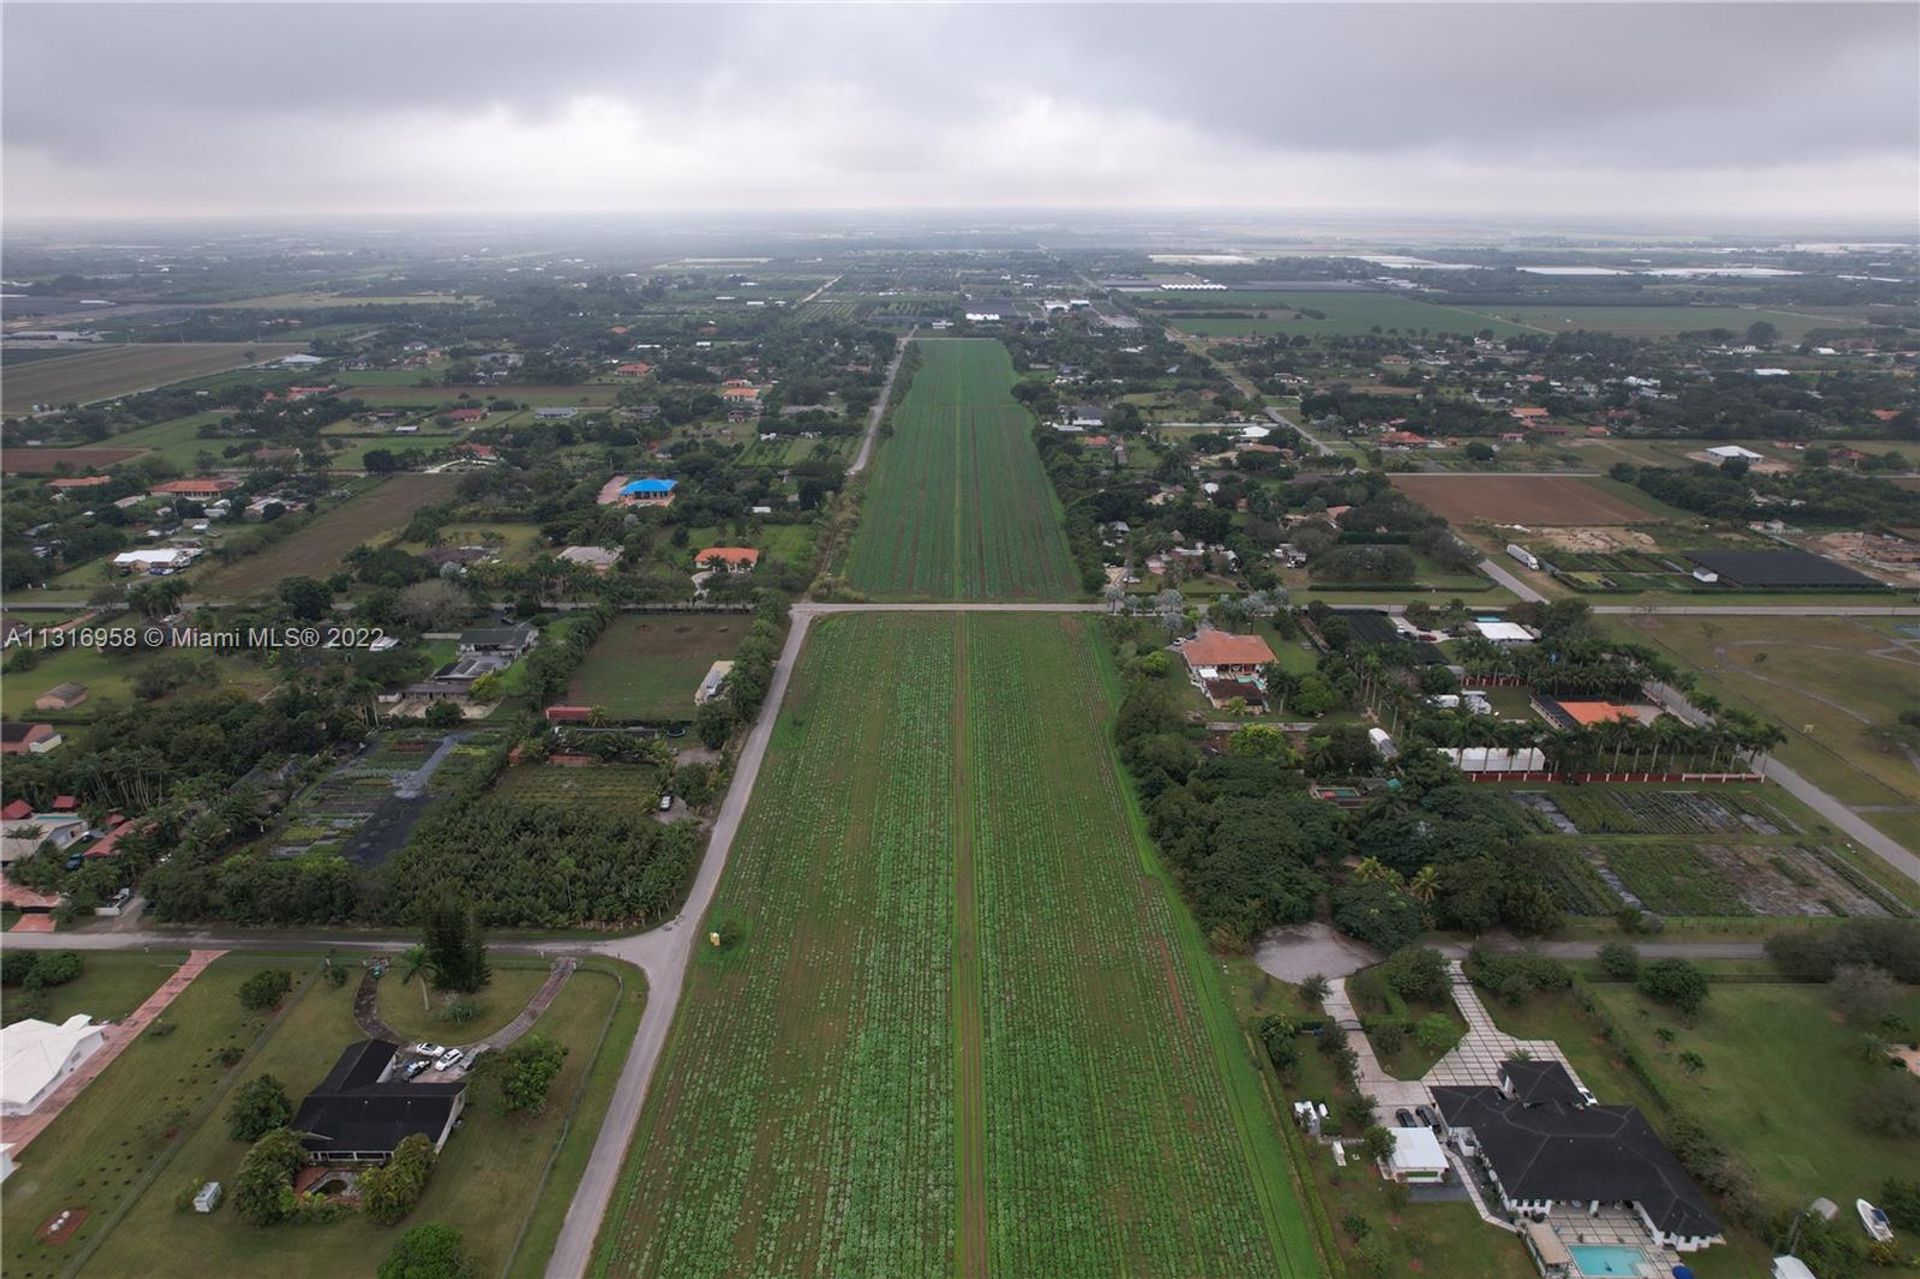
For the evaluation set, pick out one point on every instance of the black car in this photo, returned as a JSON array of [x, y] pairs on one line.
[[1428, 1118], [1404, 1117]]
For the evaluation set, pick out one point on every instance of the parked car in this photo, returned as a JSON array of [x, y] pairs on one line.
[[466, 1062], [413, 1068], [429, 1049], [448, 1059], [666, 803], [1404, 1117], [1429, 1118]]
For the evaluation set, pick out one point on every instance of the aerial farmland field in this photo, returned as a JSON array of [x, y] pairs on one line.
[[959, 1022], [959, 507], [102, 372], [1665, 321], [315, 550], [1527, 499], [1339, 314]]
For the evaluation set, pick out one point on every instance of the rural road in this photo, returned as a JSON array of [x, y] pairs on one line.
[[1511, 582], [1882, 846], [865, 454]]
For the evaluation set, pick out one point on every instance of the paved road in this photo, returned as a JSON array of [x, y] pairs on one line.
[[880, 407], [1882, 846], [1511, 582]]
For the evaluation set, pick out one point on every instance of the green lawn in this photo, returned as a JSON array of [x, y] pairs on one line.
[[177, 440], [106, 673], [1780, 1072], [402, 1006], [489, 1181], [112, 984], [1341, 314], [514, 543], [1664, 321], [97, 1154], [648, 666], [791, 543]]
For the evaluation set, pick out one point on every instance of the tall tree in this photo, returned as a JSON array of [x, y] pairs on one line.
[[456, 949]]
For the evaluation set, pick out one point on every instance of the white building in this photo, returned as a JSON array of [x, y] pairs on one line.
[[165, 558], [1728, 452], [1504, 633], [1417, 1157], [36, 1055]]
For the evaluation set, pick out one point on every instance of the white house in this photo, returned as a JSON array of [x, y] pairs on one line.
[[36, 1055], [1728, 452]]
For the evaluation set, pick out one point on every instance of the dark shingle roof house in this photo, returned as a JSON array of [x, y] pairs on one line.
[[1555, 1151], [359, 1113]]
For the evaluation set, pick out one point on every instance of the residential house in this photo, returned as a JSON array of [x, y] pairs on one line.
[[511, 641], [463, 416], [555, 414], [1225, 666], [79, 482], [28, 739], [37, 1056], [635, 369], [61, 697], [23, 837], [600, 559], [159, 561], [1551, 1154], [362, 1111], [648, 491], [731, 559], [193, 488]]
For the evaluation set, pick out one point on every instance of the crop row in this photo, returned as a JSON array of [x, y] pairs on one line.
[[802, 1121], [959, 507]]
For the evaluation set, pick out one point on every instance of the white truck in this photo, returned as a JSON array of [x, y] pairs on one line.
[[1522, 554]]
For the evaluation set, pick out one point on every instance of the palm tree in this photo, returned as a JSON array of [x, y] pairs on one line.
[[1371, 869], [1425, 885]]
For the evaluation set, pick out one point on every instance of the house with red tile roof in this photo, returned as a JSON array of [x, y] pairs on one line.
[[194, 488], [79, 482], [638, 368], [733, 559], [468, 415]]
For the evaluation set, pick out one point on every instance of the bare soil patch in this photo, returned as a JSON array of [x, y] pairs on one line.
[[1554, 501]]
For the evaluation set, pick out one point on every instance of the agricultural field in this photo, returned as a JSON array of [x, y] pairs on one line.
[[25, 461], [1664, 321], [492, 1181], [106, 371], [959, 507], [1346, 315], [178, 441], [1830, 682], [316, 549], [611, 788], [364, 809], [317, 300], [945, 986], [581, 395], [648, 666], [513, 543], [1548, 500], [1715, 852]]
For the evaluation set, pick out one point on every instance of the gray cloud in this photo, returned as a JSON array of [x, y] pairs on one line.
[[1798, 108]]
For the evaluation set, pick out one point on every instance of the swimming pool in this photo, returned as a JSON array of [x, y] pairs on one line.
[[1594, 1260]]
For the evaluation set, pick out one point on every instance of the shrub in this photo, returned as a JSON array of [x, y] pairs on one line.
[[429, 1251], [263, 1189], [389, 1193], [28, 1003], [259, 1106], [17, 965], [1418, 973], [526, 1071], [1435, 1032], [1862, 993], [1389, 1037], [1378, 914], [1674, 982], [1889, 1103], [1900, 1197], [53, 968], [1620, 961], [265, 989]]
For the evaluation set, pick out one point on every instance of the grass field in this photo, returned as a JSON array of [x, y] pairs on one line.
[[1828, 681], [96, 1154], [959, 507], [111, 985], [106, 371], [1664, 321], [959, 1024], [50, 461], [402, 1007], [316, 549], [649, 667], [486, 1183], [513, 543], [1346, 315], [1524, 499], [314, 300], [1780, 1071], [177, 440]]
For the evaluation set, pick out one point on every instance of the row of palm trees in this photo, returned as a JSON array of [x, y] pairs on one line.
[[1729, 743]]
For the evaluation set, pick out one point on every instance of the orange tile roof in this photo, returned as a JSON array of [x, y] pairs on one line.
[[728, 555], [1218, 648], [739, 393], [1595, 712]]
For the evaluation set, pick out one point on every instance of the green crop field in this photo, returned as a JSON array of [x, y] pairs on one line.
[[371, 518], [959, 507], [952, 983], [1346, 315], [1664, 321]]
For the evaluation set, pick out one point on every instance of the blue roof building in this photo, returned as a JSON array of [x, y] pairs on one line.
[[649, 487]]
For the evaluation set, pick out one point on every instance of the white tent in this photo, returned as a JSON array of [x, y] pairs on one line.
[[1417, 1156], [36, 1055]]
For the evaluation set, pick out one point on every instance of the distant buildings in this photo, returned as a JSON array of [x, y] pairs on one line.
[[28, 739]]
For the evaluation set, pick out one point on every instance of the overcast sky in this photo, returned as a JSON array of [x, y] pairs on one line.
[[1795, 111]]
